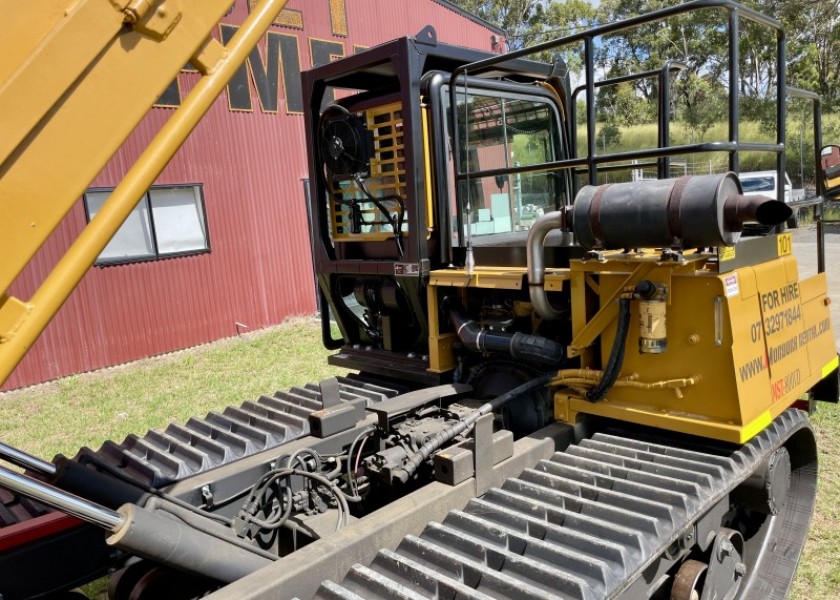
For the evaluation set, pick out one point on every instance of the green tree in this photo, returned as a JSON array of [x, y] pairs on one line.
[[697, 94], [624, 106], [699, 40], [529, 22], [814, 49], [519, 19], [703, 105]]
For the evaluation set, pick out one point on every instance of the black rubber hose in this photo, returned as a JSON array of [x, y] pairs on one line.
[[439, 439], [645, 289], [532, 349], [616, 359]]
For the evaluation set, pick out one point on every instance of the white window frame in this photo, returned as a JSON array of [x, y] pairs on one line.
[[145, 203]]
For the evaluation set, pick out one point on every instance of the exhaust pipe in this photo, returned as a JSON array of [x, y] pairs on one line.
[[536, 260], [739, 209], [688, 212]]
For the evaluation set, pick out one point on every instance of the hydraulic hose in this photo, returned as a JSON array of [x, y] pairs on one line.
[[532, 349], [616, 359], [436, 441], [644, 289]]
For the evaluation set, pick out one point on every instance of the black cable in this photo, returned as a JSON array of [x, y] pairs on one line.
[[295, 457], [351, 477], [256, 500], [616, 359], [396, 224], [229, 499], [643, 289], [275, 520], [499, 401]]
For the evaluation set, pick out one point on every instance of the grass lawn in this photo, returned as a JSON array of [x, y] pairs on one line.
[[819, 570], [85, 410]]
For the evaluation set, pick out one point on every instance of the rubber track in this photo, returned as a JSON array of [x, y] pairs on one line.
[[14, 508], [583, 524], [160, 458]]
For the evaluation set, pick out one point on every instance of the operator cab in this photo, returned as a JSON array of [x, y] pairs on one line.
[[507, 134], [388, 204]]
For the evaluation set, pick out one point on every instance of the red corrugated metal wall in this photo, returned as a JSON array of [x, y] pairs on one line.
[[251, 166]]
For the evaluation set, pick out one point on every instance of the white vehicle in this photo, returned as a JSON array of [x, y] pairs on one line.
[[765, 183]]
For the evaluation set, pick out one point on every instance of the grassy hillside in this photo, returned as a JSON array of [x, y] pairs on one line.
[[644, 136]]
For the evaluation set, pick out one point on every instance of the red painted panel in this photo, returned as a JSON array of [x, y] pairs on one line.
[[251, 165], [30, 530]]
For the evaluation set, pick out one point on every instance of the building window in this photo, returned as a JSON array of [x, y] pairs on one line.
[[168, 221]]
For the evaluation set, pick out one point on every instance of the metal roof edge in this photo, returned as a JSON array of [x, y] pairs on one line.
[[465, 13]]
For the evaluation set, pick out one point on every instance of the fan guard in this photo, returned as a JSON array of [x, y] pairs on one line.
[[344, 144]]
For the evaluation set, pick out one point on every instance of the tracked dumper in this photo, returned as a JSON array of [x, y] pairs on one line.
[[559, 388]]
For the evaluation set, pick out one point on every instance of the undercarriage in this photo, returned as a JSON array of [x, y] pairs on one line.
[[599, 510]]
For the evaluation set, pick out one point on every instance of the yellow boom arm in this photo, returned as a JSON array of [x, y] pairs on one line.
[[77, 77]]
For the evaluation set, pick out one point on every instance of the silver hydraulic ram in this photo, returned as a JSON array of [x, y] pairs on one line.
[[26, 461], [145, 533], [85, 510]]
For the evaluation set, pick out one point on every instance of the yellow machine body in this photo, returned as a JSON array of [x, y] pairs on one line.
[[743, 345]]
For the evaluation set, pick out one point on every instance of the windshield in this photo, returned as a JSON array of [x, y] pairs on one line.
[[759, 184], [499, 132]]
